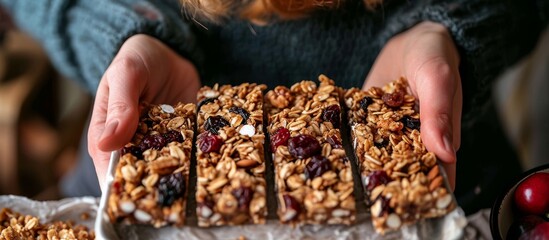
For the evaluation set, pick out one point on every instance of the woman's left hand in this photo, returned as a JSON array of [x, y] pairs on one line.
[[427, 57]]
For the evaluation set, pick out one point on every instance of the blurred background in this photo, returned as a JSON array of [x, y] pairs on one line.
[[43, 116]]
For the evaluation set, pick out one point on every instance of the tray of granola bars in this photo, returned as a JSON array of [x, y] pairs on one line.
[[309, 161]]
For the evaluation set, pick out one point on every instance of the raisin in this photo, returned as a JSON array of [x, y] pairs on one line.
[[280, 138], [292, 204], [214, 123], [244, 196], [133, 150], [332, 114], [393, 99], [365, 102], [173, 136], [208, 142], [155, 141], [242, 112], [170, 187], [204, 102], [317, 166], [334, 141], [375, 179], [411, 122], [303, 146]]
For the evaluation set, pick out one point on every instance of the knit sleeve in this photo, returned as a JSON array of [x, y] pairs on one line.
[[82, 37], [490, 35]]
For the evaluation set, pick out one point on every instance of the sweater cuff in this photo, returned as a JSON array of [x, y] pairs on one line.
[[82, 37]]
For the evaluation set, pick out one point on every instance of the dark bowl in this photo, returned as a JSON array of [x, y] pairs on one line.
[[502, 216]]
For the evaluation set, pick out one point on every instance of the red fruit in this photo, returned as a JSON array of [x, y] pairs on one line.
[[540, 232], [303, 146], [207, 142], [280, 137], [523, 225], [532, 194]]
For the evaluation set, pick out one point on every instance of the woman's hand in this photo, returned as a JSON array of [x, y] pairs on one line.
[[428, 58], [144, 70]]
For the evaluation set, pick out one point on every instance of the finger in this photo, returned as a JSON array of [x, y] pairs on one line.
[[124, 78], [97, 124]]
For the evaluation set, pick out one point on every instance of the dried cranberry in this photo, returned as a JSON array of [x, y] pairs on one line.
[[303, 146], [155, 141], [375, 179], [208, 142], [173, 136], [365, 102], [170, 187], [214, 123], [334, 141], [411, 122], [204, 102], [117, 186], [244, 196], [280, 137], [133, 150], [393, 99], [317, 166], [291, 204], [242, 112]]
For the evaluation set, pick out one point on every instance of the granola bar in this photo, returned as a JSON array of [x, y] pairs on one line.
[[313, 176], [231, 186], [401, 179], [150, 182], [14, 225]]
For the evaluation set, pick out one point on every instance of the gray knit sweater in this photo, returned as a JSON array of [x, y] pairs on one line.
[[82, 37]]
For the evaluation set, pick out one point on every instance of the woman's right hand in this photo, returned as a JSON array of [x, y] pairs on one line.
[[144, 70]]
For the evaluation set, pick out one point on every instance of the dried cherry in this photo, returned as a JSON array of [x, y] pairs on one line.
[[303, 146]]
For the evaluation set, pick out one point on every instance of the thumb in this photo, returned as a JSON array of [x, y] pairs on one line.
[[438, 88], [124, 79]]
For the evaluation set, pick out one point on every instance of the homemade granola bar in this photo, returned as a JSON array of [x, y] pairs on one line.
[[231, 186], [313, 176], [14, 225], [401, 179], [150, 182]]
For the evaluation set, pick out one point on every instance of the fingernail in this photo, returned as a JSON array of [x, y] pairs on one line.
[[109, 129], [448, 144]]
